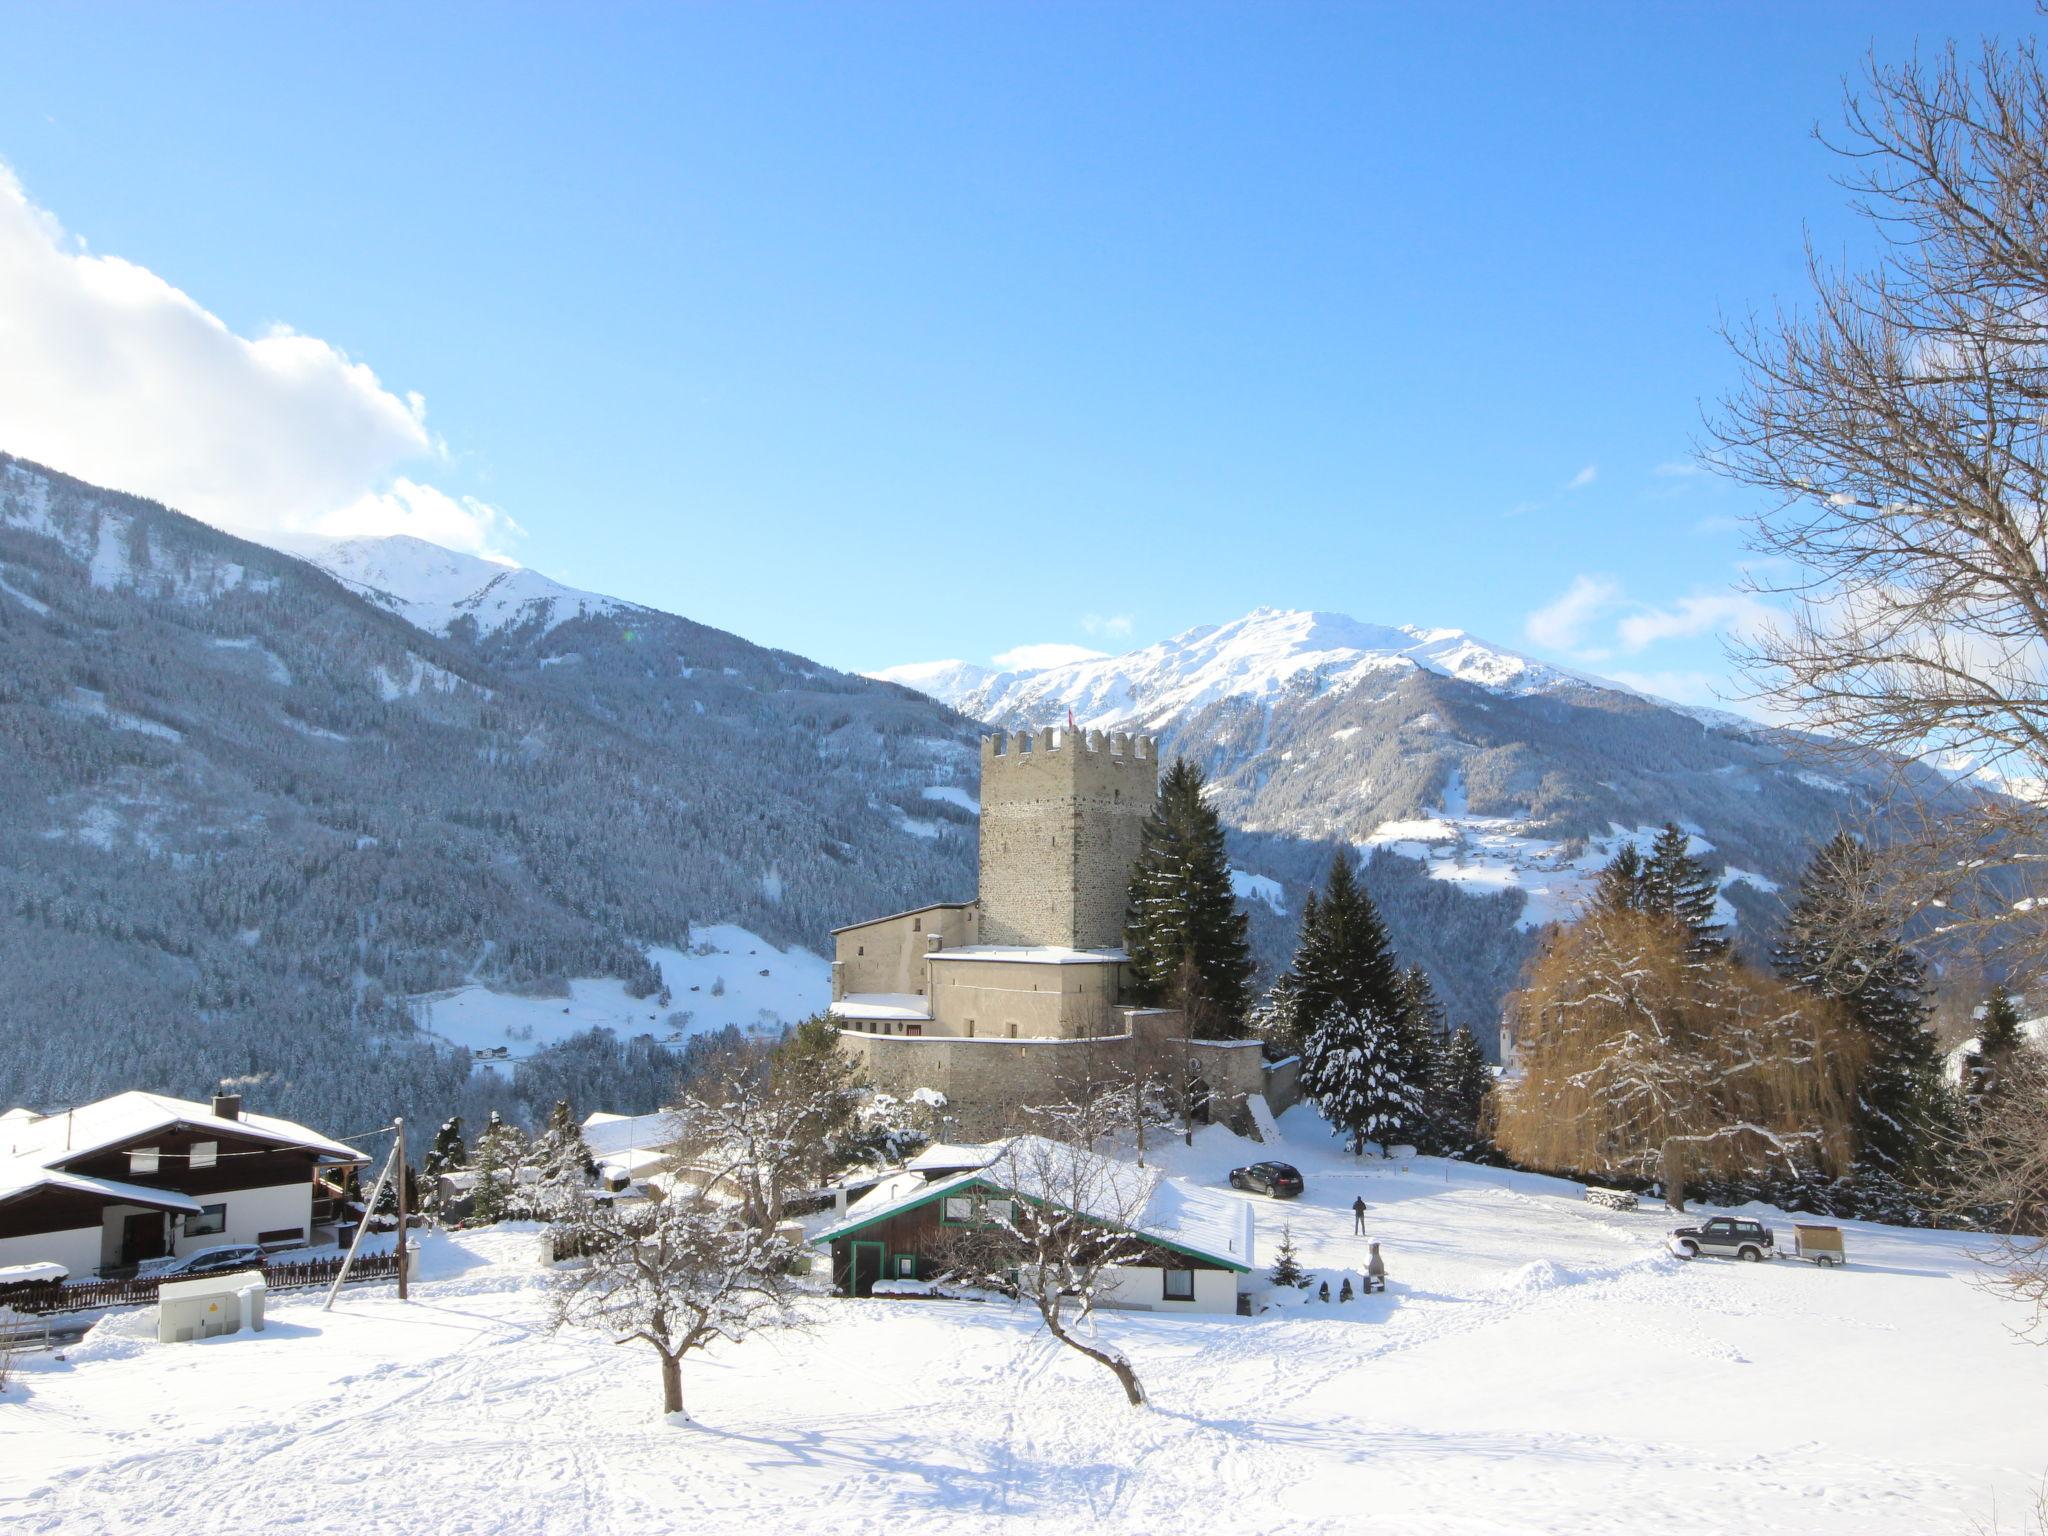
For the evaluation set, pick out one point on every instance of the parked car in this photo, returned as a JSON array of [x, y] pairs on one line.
[[1280, 1180], [1728, 1237], [207, 1261]]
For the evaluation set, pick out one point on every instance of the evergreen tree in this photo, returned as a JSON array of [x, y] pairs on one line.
[[1837, 943], [1287, 1266], [1181, 904], [563, 1165], [1460, 1084], [496, 1166], [447, 1154], [1676, 886], [1620, 885], [1359, 1062], [1998, 1039]]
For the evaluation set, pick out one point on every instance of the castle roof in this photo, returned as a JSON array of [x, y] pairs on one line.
[[882, 1005], [890, 917]]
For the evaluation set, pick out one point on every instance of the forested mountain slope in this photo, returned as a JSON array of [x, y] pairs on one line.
[[245, 810]]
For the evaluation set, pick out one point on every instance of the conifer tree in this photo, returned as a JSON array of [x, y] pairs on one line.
[[447, 1154], [1460, 1084], [496, 1166], [1359, 1064], [1998, 1039], [1620, 885], [1839, 942], [1677, 887], [563, 1165], [1286, 1264], [1181, 905]]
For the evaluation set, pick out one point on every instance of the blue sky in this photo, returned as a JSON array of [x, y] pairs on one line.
[[891, 332]]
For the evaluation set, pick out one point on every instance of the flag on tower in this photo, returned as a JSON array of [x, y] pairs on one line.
[[1070, 717]]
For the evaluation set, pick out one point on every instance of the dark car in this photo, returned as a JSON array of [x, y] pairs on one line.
[[1726, 1236], [1281, 1180], [209, 1261]]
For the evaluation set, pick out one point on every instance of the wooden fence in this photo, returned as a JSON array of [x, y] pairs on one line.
[[46, 1297]]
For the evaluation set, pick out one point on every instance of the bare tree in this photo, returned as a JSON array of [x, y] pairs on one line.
[[1636, 1057], [2005, 1180], [1054, 1224], [1899, 423], [675, 1276]]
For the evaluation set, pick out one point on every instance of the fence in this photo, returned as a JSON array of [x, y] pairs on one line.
[[46, 1297]]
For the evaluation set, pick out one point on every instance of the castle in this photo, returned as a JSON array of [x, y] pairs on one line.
[[1017, 998]]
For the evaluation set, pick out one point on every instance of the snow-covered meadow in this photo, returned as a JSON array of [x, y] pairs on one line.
[[1538, 1364]]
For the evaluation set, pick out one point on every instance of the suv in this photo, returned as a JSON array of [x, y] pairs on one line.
[[208, 1261], [1277, 1179], [1727, 1236]]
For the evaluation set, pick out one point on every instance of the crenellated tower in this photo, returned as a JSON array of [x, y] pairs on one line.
[[1061, 818]]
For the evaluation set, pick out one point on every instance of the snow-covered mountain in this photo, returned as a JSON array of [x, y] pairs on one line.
[[436, 588], [1268, 654], [1485, 787]]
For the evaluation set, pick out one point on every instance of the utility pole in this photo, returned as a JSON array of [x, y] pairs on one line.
[[402, 1296]]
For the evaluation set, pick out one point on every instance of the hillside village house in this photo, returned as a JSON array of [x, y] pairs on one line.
[[142, 1175], [995, 1002], [1196, 1243]]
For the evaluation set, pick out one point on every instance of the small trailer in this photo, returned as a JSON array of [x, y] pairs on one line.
[[1821, 1245]]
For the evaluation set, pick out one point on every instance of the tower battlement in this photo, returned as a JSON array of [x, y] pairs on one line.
[[1062, 815]]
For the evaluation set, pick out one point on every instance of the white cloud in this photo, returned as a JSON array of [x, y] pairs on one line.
[[1732, 613], [1583, 478], [116, 376], [1051, 653], [1113, 626], [1562, 624]]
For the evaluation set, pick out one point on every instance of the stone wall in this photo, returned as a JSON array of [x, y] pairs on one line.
[[1013, 998], [1061, 817], [888, 954]]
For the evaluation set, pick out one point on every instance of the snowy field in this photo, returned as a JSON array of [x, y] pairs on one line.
[[726, 976], [1538, 1365]]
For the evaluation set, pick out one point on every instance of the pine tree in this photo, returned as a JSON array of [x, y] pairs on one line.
[[1287, 1266], [1620, 885], [496, 1166], [1181, 904], [1460, 1084], [1998, 1039], [447, 1154], [563, 1165], [1838, 942], [1676, 886], [1359, 1062]]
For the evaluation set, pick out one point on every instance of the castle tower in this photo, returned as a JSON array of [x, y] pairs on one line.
[[1061, 817]]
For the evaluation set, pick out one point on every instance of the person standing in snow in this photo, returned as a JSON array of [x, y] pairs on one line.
[[1375, 1271], [1358, 1217]]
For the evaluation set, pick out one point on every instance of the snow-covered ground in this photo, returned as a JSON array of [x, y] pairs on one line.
[[726, 976], [1538, 1365]]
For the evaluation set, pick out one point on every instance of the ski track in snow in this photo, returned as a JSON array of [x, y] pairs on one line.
[[1537, 1365]]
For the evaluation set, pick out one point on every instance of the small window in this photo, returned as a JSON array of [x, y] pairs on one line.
[[917, 925], [913, 1029], [906, 1266], [960, 1208], [205, 1153], [860, 949], [211, 1219], [1180, 1285], [142, 1160], [997, 1210]]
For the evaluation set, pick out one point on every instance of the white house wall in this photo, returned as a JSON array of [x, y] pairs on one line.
[[1143, 1286], [77, 1250], [252, 1212]]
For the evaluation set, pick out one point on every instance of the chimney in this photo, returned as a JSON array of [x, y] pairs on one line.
[[228, 1106]]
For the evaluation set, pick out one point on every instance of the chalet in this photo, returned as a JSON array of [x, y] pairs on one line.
[[1195, 1243], [141, 1175]]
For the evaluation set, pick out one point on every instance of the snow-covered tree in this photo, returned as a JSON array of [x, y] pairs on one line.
[[562, 1164], [447, 1154], [1639, 1058], [1184, 931], [495, 1162], [1460, 1090], [1619, 887], [2002, 1172], [1287, 1268], [675, 1276], [1998, 1040]]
